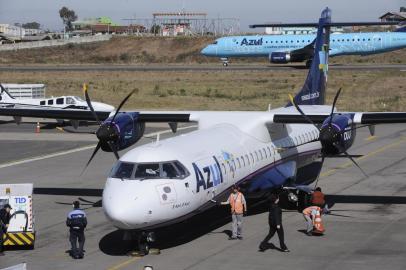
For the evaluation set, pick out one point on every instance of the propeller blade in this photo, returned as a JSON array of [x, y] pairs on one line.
[[89, 103], [321, 167], [300, 111], [334, 105], [173, 126], [113, 148], [372, 130], [355, 163], [91, 158], [121, 104]]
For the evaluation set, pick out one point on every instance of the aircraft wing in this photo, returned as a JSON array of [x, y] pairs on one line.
[[83, 115], [364, 118]]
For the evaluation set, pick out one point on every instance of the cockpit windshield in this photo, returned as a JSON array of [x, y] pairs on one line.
[[70, 100], [215, 42], [143, 171], [79, 99]]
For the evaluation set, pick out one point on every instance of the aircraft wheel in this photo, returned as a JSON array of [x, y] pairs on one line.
[[225, 64]]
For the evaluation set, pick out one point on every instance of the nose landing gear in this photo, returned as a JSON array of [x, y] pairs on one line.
[[225, 61], [143, 240]]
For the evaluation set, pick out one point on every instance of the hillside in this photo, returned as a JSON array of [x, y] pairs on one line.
[[146, 50]]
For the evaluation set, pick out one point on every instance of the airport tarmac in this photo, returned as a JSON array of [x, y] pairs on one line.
[[365, 230], [203, 67]]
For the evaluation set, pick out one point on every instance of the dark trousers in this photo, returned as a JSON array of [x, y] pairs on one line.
[[1, 240], [75, 237], [281, 236]]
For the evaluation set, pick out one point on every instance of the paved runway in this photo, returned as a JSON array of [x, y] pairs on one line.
[[212, 67], [368, 235]]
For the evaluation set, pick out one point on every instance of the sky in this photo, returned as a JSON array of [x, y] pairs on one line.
[[248, 11]]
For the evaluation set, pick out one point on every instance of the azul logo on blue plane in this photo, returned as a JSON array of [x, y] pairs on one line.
[[251, 42], [210, 177]]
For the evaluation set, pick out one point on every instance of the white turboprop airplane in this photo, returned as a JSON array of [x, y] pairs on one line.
[[66, 103], [163, 183]]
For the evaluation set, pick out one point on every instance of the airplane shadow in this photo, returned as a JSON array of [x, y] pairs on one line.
[[178, 234], [365, 199]]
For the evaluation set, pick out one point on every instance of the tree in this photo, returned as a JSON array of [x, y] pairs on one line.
[[68, 16], [31, 25], [155, 29]]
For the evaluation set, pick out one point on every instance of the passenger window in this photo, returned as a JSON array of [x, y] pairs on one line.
[[252, 158], [50, 102], [269, 150], [243, 160], [239, 162], [42, 102], [260, 154], [59, 101], [263, 149], [256, 155], [248, 159]]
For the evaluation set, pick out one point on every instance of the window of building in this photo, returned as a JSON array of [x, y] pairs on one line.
[[50, 102]]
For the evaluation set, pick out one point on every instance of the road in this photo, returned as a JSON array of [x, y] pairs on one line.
[[213, 67], [366, 230]]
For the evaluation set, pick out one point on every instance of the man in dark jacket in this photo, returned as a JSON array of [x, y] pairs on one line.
[[77, 223], [275, 224], [4, 222]]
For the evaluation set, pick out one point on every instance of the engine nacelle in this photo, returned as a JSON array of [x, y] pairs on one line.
[[338, 137], [123, 132], [279, 58]]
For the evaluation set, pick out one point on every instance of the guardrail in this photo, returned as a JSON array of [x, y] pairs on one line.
[[53, 42]]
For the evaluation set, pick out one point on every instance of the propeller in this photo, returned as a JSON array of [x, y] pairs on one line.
[[107, 133], [328, 135]]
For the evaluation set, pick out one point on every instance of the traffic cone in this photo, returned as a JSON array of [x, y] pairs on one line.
[[38, 128], [318, 224]]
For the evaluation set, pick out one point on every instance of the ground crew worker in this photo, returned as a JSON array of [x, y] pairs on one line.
[[238, 208], [318, 199], [4, 223], [309, 214], [275, 224], [77, 223]]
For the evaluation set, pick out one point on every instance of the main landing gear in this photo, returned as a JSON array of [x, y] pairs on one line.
[[143, 242]]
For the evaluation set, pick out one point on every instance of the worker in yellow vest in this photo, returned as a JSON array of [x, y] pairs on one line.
[[238, 209]]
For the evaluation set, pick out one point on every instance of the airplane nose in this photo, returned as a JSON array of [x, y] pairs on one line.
[[103, 107], [207, 51], [125, 206]]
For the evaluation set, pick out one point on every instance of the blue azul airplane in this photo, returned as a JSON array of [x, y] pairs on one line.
[[282, 49]]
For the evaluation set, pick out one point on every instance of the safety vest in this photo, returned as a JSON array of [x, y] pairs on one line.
[[237, 206]]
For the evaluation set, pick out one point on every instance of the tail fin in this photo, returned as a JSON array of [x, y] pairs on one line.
[[4, 91], [313, 91]]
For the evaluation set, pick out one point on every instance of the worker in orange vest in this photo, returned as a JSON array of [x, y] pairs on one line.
[[309, 214], [318, 199], [238, 209]]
